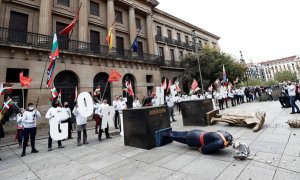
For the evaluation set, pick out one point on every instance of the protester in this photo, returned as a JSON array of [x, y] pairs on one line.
[[96, 116], [3, 119], [269, 91], [136, 103], [52, 113], [155, 101], [81, 122], [20, 127], [100, 113], [29, 121], [292, 95], [219, 96], [116, 105], [170, 104], [69, 120]]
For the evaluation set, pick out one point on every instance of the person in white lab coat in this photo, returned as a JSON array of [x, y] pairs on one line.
[[81, 126]]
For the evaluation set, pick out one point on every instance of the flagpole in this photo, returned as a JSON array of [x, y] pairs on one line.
[[104, 91], [23, 97], [135, 37]]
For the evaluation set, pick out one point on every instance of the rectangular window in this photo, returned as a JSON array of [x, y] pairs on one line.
[[186, 39], [180, 55], [94, 8], [138, 23], [169, 34], [119, 17], [120, 45], [172, 55], [178, 37], [64, 2], [161, 53], [63, 41], [13, 74], [149, 78], [95, 41], [158, 30], [18, 23]]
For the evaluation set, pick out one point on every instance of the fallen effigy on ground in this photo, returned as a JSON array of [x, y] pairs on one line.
[[294, 123], [255, 120]]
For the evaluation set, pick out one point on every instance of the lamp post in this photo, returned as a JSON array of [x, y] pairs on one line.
[[197, 54]]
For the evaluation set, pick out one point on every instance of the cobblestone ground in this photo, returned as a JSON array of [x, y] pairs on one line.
[[275, 151]]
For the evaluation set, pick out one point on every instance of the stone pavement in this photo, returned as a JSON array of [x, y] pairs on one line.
[[275, 151]]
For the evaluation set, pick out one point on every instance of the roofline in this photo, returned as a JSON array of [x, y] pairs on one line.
[[185, 22], [281, 59]]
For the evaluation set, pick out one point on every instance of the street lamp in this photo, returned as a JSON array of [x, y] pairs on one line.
[[197, 54]]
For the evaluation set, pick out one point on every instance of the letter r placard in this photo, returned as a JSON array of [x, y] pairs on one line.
[[108, 116]]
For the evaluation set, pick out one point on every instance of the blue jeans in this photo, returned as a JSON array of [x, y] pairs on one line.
[[293, 103]]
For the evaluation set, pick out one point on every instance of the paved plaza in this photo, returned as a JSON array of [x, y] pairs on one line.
[[275, 151]]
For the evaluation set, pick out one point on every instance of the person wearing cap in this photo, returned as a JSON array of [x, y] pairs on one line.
[[29, 121], [51, 113], [69, 120]]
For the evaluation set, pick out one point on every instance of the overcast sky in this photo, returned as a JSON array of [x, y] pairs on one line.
[[261, 29]]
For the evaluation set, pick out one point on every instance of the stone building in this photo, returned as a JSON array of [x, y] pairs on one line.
[[271, 67], [27, 27]]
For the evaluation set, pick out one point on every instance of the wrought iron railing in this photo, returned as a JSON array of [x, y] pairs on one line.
[[34, 40]]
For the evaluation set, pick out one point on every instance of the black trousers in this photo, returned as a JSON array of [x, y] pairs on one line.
[[70, 128], [221, 103], [232, 101], [50, 141], [32, 132], [101, 130], [117, 119]]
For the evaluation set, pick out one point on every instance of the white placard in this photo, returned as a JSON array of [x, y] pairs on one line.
[[108, 116], [160, 93], [85, 104], [58, 130]]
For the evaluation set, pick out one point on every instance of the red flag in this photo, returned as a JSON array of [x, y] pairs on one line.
[[114, 76], [130, 90], [194, 85], [164, 84], [25, 81], [71, 25], [169, 86]]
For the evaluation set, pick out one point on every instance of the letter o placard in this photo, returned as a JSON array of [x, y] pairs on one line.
[[85, 104]]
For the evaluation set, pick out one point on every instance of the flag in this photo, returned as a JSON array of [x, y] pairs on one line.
[[53, 94], [53, 57], [169, 86], [59, 98], [97, 91], [177, 89], [5, 88], [164, 84], [224, 75], [194, 85], [71, 25], [236, 80], [129, 88], [6, 105], [109, 37], [25, 81], [135, 45], [76, 94], [114, 76]]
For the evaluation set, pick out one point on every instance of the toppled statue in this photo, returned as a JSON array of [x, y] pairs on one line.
[[294, 123], [255, 120], [204, 141]]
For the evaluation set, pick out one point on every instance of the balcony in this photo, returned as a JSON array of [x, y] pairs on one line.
[[39, 41], [173, 42], [161, 39], [171, 63]]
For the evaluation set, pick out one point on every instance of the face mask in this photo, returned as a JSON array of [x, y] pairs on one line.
[[31, 108], [55, 105], [66, 106]]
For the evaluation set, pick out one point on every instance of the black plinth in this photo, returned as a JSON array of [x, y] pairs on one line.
[[141, 124], [194, 112]]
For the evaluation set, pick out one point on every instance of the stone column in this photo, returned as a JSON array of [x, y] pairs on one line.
[[150, 34], [110, 19], [45, 19], [132, 25], [83, 21]]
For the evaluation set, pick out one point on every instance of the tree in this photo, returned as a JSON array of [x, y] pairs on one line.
[[211, 62], [285, 76]]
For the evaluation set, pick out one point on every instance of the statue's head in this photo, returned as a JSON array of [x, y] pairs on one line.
[[227, 136]]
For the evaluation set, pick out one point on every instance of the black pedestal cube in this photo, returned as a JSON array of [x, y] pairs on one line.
[[141, 124], [194, 112]]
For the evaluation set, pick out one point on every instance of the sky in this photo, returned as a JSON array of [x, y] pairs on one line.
[[262, 29]]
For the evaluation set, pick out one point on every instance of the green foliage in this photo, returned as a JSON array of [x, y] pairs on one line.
[[211, 62], [255, 82], [271, 83], [285, 76]]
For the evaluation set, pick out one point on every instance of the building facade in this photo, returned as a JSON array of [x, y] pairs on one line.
[[27, 26], [255, 71], [271, 67]]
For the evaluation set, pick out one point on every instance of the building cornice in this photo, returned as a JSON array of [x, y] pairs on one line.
[[163, 13]]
